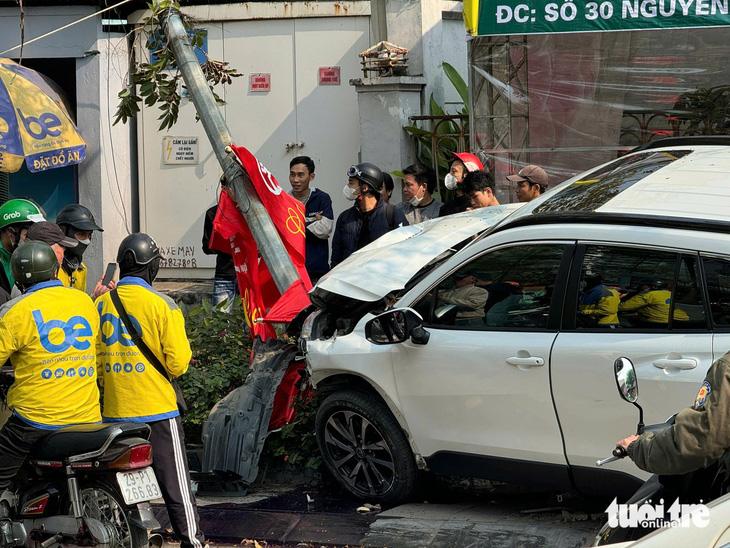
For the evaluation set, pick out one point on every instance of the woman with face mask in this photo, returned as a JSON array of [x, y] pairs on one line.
[[461, 164], [77, 222]]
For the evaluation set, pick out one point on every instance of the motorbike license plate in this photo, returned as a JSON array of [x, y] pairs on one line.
[[139, 485]]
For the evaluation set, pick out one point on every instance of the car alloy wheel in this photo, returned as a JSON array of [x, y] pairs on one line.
[[364, 447]]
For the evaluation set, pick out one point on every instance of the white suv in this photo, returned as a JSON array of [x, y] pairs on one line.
[[492, 355]]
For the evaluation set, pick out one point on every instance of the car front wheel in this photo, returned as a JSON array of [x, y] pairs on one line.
[[364, 447]]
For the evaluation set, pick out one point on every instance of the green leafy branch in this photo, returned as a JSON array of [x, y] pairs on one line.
[[158, 82]]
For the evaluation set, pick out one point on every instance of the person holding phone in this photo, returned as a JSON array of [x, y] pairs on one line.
[[76, 221]]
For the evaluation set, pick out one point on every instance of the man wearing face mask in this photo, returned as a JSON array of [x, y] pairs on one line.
[[16, 216], [419, 181], [369, 218], [77, 222], [461, 164]]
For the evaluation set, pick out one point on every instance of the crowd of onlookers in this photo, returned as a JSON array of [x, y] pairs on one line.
[[373, 212]]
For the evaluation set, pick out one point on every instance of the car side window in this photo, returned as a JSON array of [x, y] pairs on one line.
[[633, 288], [507, 288], [717, 274]]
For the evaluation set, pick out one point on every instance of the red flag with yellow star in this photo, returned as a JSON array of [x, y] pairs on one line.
[[287, 213]]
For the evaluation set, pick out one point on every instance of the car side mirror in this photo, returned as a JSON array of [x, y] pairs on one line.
[[628, 386], [396, 326]]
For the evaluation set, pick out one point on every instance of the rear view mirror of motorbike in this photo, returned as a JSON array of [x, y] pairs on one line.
[[628, 386], [626, 381]]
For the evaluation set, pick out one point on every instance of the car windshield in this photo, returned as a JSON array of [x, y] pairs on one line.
[[600, 186]]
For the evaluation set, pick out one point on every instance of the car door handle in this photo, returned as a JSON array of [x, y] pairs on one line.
[[526, 363], [681, 363]]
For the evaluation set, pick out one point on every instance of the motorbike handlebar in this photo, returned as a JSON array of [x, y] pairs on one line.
[[618, 453]]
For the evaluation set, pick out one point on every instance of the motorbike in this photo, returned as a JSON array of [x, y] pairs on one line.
[[85, 485], [668, 492]]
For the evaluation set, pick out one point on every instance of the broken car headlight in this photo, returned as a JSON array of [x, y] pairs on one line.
[[307, 328]]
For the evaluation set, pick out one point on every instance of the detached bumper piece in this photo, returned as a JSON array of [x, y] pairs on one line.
[[234, 434]]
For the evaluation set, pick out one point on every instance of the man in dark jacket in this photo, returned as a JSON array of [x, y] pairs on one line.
[[224, 279], [369, 218], [318, 215]]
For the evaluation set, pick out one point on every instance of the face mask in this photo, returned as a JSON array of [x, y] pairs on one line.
[[16, 238], [415, 200], [19, 243], [77, 252], [450, 181], [349, 193]]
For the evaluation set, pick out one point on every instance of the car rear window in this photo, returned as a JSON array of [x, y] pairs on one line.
[[603, 184]]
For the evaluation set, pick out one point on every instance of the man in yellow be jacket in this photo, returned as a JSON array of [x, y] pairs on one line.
[[77, 222], [134, 390], [50, 335], [652, 304], [598, 304]]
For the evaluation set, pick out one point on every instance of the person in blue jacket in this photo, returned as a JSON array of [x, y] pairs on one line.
[[369, 218], [318, 216]]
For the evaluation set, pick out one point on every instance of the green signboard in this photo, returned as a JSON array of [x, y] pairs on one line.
[[503, 17]]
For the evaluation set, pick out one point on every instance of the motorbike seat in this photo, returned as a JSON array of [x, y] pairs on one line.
[[84, 438]]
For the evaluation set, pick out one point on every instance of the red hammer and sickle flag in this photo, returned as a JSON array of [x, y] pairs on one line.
[[232, 235]]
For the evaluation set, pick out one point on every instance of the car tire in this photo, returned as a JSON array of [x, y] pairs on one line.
[[364, 447]]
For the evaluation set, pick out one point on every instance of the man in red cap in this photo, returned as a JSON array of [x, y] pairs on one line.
[[531, 181]]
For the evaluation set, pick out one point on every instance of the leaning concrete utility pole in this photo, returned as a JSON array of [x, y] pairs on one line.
[[241, 189]]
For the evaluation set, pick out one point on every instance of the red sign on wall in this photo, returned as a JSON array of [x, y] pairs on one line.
[[329, 76], [260, 81]]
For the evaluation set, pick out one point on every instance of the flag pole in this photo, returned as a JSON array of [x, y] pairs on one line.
[[240, 187]]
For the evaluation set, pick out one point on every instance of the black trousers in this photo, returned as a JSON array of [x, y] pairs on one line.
[[170, 464], [16, 440]]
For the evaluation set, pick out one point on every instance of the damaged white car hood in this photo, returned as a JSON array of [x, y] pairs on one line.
[[387, 264]]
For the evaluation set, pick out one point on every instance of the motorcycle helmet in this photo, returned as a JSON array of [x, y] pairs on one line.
[[33, 262], [142, 248], [367, 173], [592, 279], [77, 217], [19, 211], [653, 283], [471, 162]]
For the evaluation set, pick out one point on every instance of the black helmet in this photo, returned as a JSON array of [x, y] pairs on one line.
[[367, 173], [653, 282], [592, 279], [33, 262], [78, 217], [143, 248]]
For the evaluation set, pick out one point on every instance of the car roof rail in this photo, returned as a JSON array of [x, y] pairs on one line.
[[687, 140]]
